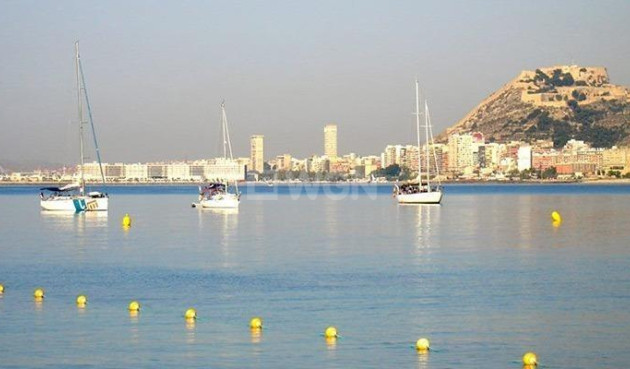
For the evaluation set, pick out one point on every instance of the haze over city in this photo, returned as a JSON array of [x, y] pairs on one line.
[[157, 72]]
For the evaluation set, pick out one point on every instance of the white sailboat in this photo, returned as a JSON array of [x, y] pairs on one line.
[[73, 197], [421, 191], [220, 194]]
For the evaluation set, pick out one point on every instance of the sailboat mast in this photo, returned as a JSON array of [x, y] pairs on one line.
[[80, 113], [426, 135], [418, 132], [223, 119], [227, 144], [89, 109], [430, 139]]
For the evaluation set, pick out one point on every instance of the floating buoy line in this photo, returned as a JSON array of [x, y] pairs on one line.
[[422, 345]]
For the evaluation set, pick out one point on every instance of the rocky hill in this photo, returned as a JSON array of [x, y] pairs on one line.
[[556, 103]]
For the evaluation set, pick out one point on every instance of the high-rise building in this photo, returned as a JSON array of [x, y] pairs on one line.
[[257, 153], [330, 141]]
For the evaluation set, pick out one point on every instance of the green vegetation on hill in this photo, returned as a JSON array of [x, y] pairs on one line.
[[549, 84]]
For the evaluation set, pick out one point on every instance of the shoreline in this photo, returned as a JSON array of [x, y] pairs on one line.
[[607, 181]]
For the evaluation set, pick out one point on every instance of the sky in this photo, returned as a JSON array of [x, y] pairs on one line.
[[157, 71]]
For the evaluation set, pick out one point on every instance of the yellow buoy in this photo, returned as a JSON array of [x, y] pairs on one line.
[[530, 359], [422, 344], [38, 293], [126, 221], [190, 314], [256, 323], [555, 216], [330, 332], [134, 306], [81, 300], [1, 289]]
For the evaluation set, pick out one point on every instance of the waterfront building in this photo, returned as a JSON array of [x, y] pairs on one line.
[[157, 171], [224, 169], [524, 161], [136, 172], [403, 155], [318, 164], [197, 170], [113, 172], [492, 155], [460, 148], [178, 171], [257, 157], [616, 158], [283, 162], [91, 171], [330, 141], [388, 157], [544, 159], [370, 164], [437, 154], [409, 157]]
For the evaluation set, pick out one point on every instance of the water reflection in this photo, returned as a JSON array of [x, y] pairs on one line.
[[332, 225], [331, 348], [222, 224], [225, 211], [72, 222], [39, 304], [133, 329], [423, 359], [86, 230], [256, 335], [427, 219], [331, 343], [190, 331], [525, 218]]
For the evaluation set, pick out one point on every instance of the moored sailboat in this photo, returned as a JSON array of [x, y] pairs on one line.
[[221, 194], [421, 191], [73, 197]]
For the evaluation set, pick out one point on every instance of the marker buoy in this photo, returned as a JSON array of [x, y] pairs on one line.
[[1, 289], [256, 323], [126, 221], [190, 314], [422, 344], [38, 293], [81, 300], [555, 216], [330, 332], [134, 306], [530, 359]]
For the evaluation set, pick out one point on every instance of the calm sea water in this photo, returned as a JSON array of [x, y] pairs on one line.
[[485, 276]]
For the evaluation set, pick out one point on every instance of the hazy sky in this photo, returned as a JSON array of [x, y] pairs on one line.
[[156, 71]]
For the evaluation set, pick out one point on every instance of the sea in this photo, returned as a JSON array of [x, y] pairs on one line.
[[486, 277]]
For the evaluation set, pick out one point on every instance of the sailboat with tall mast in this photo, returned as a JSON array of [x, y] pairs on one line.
[[422, 191], [74, 197], [221, 194]]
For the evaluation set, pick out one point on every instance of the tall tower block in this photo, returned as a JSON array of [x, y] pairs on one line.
[[330, 140], [257, 153]]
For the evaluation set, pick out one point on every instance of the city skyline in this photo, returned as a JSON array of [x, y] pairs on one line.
[[155, 73]]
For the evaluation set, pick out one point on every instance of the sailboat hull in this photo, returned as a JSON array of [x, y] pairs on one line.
[[420, 198], [74, 204], [222, 201]]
